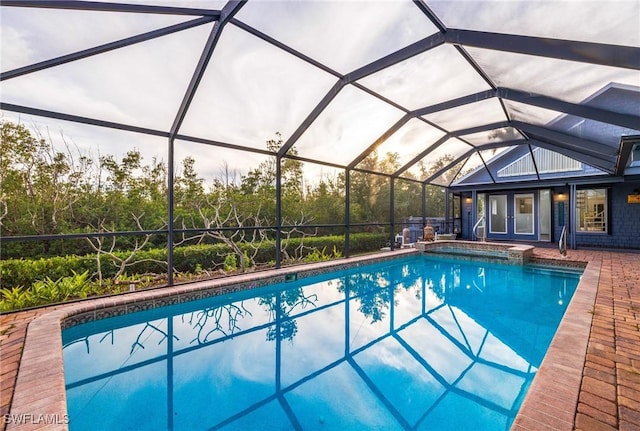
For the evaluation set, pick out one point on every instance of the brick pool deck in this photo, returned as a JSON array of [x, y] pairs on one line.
[[606, 393]]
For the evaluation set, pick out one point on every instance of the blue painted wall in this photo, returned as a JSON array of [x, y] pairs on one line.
[[624, 219], [624, 222]]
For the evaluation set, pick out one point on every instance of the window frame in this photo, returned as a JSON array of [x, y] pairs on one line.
[[597, 216], [635, 155]]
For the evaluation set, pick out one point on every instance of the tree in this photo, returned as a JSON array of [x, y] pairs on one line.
[[325, 202], [435, 195], [133, 193], [370, 193], [39, 186], [188, 193], [280, 305], [260, 183]]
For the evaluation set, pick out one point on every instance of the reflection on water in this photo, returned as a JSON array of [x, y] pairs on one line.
[[419, 343]]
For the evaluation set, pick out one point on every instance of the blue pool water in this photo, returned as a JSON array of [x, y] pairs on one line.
[[422, 343]]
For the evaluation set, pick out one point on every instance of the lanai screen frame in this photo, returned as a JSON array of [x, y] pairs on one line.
[[593, 153]]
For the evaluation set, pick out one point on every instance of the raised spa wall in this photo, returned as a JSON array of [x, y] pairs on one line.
[[516, 254]]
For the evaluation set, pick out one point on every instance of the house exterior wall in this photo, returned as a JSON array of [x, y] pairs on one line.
[[624, 218], [624, 221]]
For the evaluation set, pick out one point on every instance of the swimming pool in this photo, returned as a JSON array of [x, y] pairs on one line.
[[419, 342]]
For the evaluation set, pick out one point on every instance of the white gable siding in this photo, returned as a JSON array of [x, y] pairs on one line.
[[547, 162]]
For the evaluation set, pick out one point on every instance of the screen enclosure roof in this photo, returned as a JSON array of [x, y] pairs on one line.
[[443, 86]]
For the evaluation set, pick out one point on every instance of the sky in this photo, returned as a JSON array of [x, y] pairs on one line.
[[252, 89]]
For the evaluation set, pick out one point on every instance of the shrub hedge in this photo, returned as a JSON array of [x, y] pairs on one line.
[[187, 259]]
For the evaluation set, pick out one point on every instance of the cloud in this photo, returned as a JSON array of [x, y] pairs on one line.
[[591, 21], [413, 138], [251, 90], [549, 76], [14, 47], [140, 85], [48, 33], [470, 115], [434, 76], [352, 122], [341, 34]]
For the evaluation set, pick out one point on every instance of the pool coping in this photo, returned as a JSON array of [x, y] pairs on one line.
[[552, 399], [40, 393]]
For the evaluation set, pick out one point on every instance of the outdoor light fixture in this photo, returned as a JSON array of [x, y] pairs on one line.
[[559, 196]]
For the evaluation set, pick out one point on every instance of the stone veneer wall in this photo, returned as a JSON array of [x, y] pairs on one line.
[[517, 254]]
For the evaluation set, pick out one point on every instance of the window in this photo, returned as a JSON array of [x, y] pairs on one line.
[[523, 214], [591, 210], [498, 216], [635, 155]]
